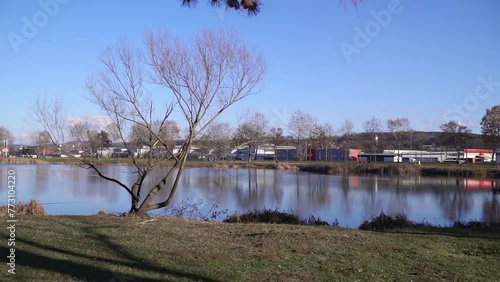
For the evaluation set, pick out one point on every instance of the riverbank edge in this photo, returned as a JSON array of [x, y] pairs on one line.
[[331, 168]]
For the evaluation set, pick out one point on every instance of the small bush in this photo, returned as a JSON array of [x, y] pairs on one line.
[[33, 207], [312, 220], [264, 216], [275, 217], [386, 222], [474, 224], [101, 212]]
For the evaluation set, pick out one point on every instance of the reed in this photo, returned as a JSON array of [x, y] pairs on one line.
[[33, 207]]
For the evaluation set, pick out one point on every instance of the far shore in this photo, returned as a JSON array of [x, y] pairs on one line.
[[486, 170]]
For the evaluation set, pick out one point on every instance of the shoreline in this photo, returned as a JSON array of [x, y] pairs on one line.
[[486, 170]]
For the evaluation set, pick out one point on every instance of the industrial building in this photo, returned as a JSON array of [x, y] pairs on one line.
[[467, 155]]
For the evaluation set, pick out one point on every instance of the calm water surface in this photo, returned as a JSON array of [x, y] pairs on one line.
[[349, 199]]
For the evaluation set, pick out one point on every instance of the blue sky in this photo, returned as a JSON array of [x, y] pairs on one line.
[[429, 61]]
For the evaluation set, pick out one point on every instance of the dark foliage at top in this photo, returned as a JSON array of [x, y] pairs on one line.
[[253, 6]]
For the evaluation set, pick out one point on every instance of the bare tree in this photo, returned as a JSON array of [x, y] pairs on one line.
[[41, 139], [301, 125], [52, 116], [142, 142], [371, 128], [346, 131], [89, 138], [490, 127], [252, 131], [398, 127], [321, 137], [6, 140], [114, 132], [454, 136], [169, 131], [217, 139], [276, 136], [84, 135], [203, 78]]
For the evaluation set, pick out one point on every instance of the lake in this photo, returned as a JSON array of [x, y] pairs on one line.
[[69, 190]]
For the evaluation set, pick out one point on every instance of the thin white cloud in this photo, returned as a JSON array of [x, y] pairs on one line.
[[97, 122], [22, 138]]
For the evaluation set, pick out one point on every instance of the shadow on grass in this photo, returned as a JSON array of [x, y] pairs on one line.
[[90, 271]]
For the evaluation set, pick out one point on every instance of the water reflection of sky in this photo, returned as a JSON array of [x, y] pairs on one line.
[[349, 199]]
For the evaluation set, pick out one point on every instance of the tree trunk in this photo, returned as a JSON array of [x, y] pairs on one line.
[[249, 153]]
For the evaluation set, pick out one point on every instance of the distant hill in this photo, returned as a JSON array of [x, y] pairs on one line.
[[419, 140]]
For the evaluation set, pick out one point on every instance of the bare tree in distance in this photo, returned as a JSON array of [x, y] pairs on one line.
[[278, 139], [454, 136], [141, 140], [41, 139], [490, 128], [114, 132], [301, 124], [371, 128], [217, 139], [89, 138], [252, 131], [6, 139], [201, 78], [253, 6], [398, 127], [346, 131], [51, 115], [321, 138]]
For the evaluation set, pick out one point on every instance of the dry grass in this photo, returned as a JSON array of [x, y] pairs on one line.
[[102, 212], [287, 166], [33, 207]]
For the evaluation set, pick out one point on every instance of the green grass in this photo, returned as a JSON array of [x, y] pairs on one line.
[[105, 248]]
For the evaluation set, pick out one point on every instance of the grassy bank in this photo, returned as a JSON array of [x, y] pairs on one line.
[[102, 248], [426, 169], [434, 169]]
